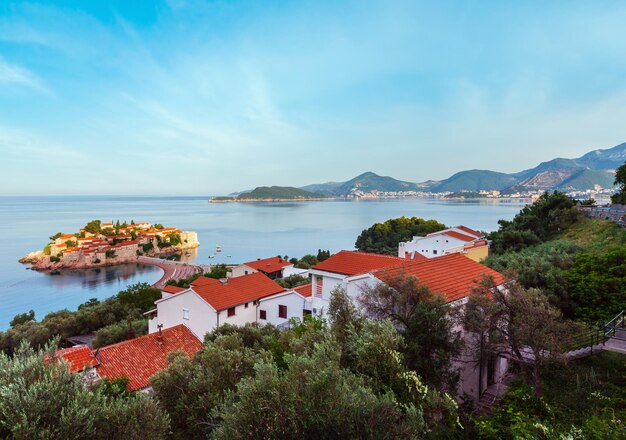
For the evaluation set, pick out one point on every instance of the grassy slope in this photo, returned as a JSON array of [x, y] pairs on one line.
[[595, 235]]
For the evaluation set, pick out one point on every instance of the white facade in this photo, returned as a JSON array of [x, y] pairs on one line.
[[436, 244], [185, 308], [241, 270], [294, 305]]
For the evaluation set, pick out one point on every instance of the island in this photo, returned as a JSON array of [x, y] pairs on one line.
[[106, 244], [272, 194]]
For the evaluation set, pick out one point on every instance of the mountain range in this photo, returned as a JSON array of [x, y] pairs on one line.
[[596, 168]]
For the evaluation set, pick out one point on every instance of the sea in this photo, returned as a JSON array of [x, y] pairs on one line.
[[243, 231]]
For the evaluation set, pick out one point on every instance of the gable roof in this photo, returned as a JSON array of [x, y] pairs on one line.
[[173, 289], [268, 265], [78, 357], [457, 235], [451, 275], [305, 290], [237, 290], [469, 231], [203, 281], [141, 358], [355, 263]]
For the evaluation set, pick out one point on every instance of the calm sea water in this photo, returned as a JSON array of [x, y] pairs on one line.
[[245, 232]]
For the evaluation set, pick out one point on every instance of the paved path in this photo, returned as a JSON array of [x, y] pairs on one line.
[[172, 270]]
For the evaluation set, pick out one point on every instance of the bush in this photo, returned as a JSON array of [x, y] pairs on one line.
[[119, 332], [293, 281], [42, 399]]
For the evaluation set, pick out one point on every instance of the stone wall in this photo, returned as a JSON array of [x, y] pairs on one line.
[[615, 213]]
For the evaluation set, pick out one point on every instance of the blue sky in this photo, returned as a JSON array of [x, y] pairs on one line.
[[208, 97]]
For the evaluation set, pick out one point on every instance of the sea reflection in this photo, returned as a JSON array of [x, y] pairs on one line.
[[92, 278]]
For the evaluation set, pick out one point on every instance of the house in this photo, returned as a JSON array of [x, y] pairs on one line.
[[209, 303], [278, 309], [136, 359], [459, 239], [453, 276], [345, 269], [273, 267]]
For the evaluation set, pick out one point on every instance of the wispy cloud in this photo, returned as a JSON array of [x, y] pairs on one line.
[[13, 74]]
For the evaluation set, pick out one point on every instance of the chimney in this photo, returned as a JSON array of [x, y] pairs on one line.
[[160, 334], [131, 331]]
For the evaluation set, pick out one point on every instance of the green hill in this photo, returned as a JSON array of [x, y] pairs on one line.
[[279, 193], [373, 182], [475, 180]]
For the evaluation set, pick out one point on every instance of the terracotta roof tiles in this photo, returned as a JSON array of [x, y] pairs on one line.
[[141, 358], [451, 275], [268, 265], [237, 290], [355, 263]]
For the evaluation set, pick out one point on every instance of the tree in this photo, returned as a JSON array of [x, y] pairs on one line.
[[21, 318], [620, 181], [93, 227], [293, 281], [383, 238], [191, 389], [41, 399], [307, 262], [55, 236], [518, 323], [313, 397], [140, 296], [322, 255], [548, 216], [425, 322], [120, 331], [218, 271]]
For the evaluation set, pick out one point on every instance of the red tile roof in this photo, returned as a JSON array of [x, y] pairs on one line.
[[355, 263], [141, 358], [457, 235], [469, 231], [268, 265], [173, 289], [78, 357], [238, 290], [451, 275], [203, 281], [306, 290]]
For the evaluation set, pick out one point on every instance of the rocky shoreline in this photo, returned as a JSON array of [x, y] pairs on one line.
[[40, 262]]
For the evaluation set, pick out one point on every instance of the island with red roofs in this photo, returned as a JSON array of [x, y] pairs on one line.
[[106, 244]]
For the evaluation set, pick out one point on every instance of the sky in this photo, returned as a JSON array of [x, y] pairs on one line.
[[187, 97]]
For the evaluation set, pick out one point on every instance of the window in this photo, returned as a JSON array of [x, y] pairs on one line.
[[282, 311], [245, 305], [231, 311], [246, 272], [262, 314], [435, 252], [185, 313]]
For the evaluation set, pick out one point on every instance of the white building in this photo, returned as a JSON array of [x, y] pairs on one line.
[[459, 239], [273, 267], [451, 276], [209, 303]]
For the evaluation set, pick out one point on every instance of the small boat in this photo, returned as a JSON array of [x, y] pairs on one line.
[[218, 248], [228, 256]]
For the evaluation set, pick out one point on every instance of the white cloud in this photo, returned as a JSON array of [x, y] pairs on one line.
[[12, 74]]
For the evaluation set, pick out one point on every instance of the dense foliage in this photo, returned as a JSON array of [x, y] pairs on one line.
[[548, 216], [348, 380], [293, 281], [584, 400], [425, 323], [279, 192], [40, 399], [383, 238], [90, 317], [577, 262]]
